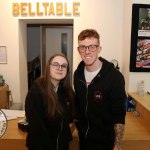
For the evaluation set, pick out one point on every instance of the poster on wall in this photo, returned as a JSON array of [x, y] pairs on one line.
[[140, 38], [143, 53]]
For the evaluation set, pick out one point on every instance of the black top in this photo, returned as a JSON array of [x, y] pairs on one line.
[[100, 105], [45, 133]]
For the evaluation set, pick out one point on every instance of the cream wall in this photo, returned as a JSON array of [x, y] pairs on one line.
[[111, 18], [9, 36]]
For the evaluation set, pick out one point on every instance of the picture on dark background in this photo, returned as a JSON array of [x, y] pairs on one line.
[[143, 53], [144, 22], [140, 38]]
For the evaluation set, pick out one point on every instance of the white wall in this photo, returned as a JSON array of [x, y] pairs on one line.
[[110, 19], [23, 82], [9, 37]]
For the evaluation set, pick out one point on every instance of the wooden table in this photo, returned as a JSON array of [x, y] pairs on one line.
[[14, 138], [142, 105], [136, 133]]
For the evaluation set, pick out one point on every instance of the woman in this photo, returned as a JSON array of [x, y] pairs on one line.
[[48, 107]]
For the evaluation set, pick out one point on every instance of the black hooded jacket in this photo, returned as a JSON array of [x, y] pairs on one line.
[[100, 105], [45, 133]]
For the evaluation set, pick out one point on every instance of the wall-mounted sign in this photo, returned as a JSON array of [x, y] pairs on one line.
[[46, 9]]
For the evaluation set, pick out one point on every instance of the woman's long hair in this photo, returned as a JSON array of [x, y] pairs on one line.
[[51, 99]]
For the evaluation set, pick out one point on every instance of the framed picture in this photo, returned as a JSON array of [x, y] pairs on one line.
[[3, 55], [140, 38]]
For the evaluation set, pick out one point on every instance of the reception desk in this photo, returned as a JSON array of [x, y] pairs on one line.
[[14, 138], [136, 135]]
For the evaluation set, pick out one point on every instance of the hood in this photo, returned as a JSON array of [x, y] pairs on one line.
[[106, 67]]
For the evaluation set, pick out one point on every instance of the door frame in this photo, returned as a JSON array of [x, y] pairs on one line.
[[43, 39]]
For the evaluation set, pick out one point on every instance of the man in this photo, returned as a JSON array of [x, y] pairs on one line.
[[100, 97]]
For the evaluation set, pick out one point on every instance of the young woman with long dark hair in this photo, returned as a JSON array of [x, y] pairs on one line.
[[49, 107]]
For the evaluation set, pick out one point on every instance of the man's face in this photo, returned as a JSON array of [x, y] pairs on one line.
[[89, 57]]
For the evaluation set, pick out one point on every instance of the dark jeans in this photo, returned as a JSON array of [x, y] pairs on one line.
[[65, 147], [86, 144]]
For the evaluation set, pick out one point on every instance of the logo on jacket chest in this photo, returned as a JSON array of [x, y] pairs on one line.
[[97, 96]]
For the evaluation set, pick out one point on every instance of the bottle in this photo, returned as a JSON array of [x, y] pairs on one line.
[[140, 88]]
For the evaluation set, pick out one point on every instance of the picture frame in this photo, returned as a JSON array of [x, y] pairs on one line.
[[3, 55], [140, 38]]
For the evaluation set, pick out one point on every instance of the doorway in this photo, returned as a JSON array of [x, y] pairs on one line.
[[44, 40]]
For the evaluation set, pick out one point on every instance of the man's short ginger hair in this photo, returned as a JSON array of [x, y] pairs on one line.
[[89, 33]]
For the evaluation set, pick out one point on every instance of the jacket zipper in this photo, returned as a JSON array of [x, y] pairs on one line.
[[59, 134], [87, 103], [86, 114], [86, 108]]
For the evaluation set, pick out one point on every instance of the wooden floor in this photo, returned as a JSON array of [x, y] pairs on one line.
[[136, 135], [136, 145], [74, 145], [126, 145]]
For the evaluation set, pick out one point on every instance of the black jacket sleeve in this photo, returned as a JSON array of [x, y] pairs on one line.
[[118, 96], [38, 136]]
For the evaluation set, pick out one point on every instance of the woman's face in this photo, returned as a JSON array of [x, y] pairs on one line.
[[58, 69]]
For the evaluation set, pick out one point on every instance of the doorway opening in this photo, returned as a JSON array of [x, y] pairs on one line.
[[44, 40]]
